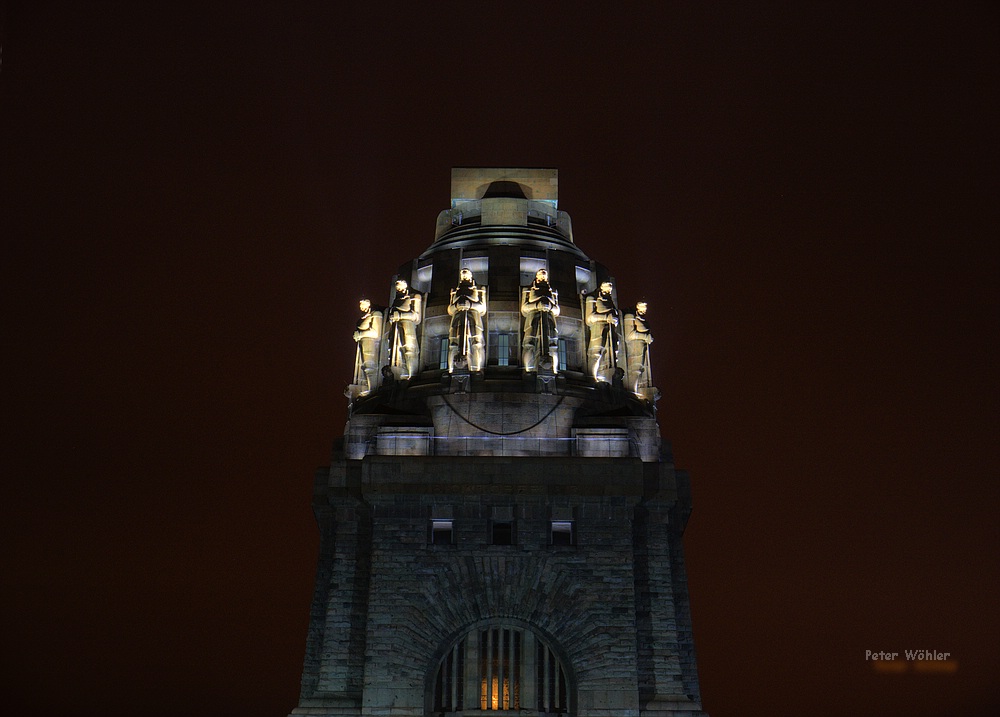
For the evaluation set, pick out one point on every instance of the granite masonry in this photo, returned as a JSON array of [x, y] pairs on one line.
[[501, 531]]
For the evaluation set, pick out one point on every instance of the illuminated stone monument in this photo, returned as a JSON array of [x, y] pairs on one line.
[[501, 523]]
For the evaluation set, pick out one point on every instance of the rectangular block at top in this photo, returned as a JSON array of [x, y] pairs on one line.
[[470, 183]]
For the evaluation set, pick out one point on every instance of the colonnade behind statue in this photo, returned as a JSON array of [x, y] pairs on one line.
[[610, 340]]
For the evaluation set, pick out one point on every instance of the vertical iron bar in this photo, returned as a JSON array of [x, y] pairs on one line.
[[454, 677], [489, 669], [546, 677]]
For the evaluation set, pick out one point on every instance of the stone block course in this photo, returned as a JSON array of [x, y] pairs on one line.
[[602, 622]]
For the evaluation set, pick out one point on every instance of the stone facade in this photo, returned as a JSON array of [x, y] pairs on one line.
[[501, 542]]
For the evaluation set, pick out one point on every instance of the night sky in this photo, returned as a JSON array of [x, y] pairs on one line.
[[195, 197]]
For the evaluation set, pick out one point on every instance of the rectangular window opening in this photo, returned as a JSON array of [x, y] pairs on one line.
[[442, 532], [562, 532], [530, 266], [424, 276], [503, 533], [480, 268]]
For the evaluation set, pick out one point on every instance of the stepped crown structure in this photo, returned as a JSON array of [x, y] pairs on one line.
[[501, 523]]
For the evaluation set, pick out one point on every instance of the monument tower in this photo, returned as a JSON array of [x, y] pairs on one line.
[[501, 523]]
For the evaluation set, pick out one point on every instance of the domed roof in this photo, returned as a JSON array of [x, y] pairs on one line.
[[529, 354]]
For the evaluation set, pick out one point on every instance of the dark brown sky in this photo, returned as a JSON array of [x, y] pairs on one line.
[[194, 199]]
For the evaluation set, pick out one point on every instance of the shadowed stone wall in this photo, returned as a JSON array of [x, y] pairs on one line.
[[606, 603]]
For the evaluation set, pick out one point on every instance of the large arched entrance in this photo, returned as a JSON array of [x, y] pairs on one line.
[[497, 667]]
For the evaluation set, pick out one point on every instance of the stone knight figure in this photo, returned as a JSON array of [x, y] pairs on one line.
[[367, 335], [540, 309], [404, 315], [602, 320], [465, 336], [637, 341]]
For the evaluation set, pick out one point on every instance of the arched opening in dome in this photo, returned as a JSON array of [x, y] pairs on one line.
[[504, 188]]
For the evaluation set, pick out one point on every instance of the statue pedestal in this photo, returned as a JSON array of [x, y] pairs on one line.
[[460, 377], [546, 376]]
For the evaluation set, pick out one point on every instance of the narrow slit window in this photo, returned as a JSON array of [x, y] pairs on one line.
[[443, 351], [503, 349]]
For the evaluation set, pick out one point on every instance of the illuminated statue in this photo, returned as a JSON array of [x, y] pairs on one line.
[[367, 336], [404, 315], [602, 319], [466, 309], [540, 308], [637, 341]]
